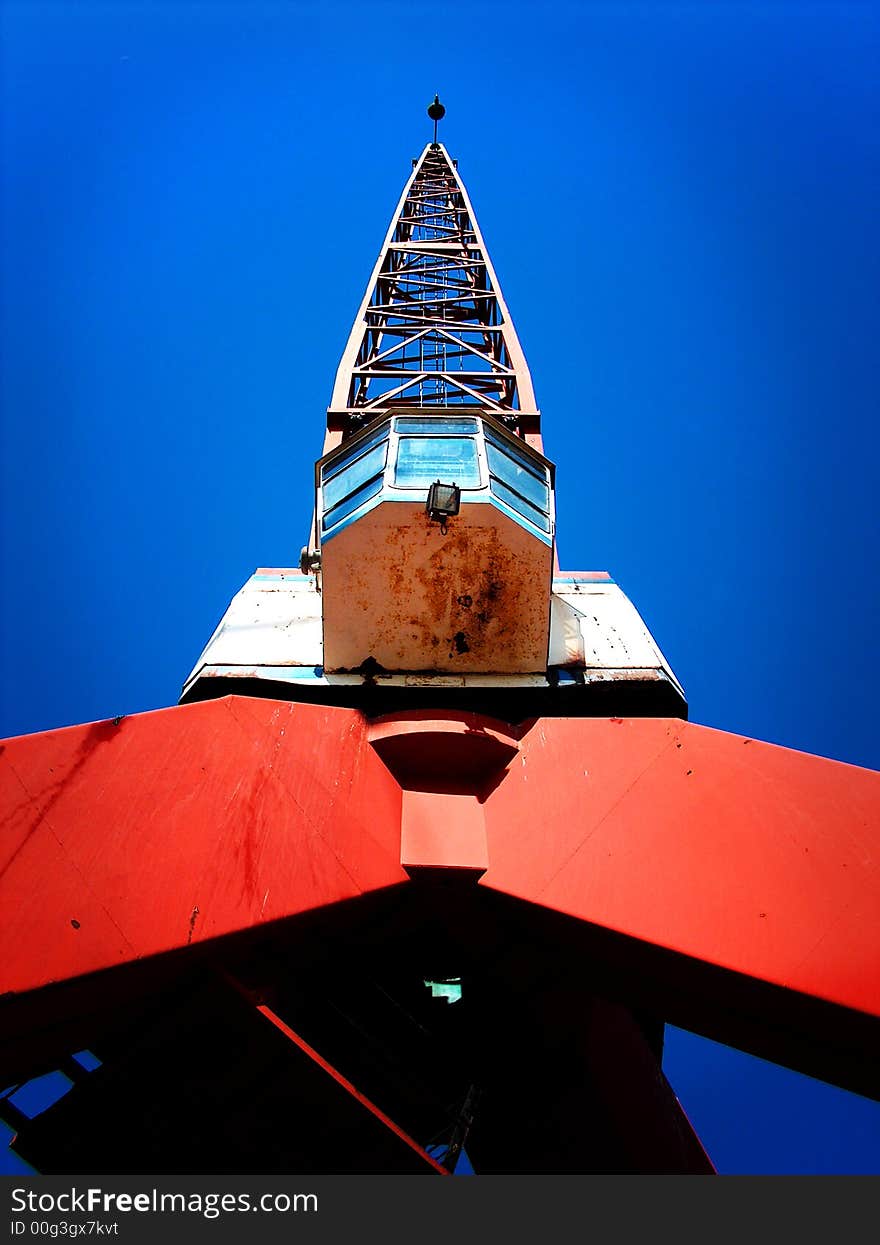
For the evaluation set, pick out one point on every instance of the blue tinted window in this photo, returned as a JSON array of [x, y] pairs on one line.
[[333, 468], [521, 506], [513, 450], [354, 475], [436, 424], [524, 479], [350, 504], [422, 460]]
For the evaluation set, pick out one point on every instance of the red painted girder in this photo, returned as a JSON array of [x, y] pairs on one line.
[[320, 1062], [737, 853], [123, 840]]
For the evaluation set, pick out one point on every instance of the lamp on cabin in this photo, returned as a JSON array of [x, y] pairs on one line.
[[444, 501]]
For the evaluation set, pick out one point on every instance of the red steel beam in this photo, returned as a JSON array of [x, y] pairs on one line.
[[123, 840], [735, 853], [355, 1093]]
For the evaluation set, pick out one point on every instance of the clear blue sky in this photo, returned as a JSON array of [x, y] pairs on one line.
[[680, 201]]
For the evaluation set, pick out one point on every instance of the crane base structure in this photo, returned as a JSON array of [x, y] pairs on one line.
[[300, 938]]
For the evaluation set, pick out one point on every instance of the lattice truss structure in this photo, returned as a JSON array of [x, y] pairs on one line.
[[433, 329]]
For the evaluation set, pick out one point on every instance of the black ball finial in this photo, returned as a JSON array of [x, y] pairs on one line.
[[436, 111]]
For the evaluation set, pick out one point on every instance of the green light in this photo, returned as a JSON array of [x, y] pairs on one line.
[[449, 989]]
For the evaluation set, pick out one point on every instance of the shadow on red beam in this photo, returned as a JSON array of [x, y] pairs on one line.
[[807, 1034], [40, 1027]]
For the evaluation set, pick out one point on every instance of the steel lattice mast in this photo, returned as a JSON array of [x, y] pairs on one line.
[[433, 329], [428, 766]]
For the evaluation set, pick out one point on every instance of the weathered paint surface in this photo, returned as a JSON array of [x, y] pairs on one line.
[[274, 620], [399, 592], [273, 630], [594, 626]]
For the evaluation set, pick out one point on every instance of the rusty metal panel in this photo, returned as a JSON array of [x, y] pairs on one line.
[[273, 631], [401, 595]]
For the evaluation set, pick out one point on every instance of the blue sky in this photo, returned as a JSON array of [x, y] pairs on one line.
[[680, 202]]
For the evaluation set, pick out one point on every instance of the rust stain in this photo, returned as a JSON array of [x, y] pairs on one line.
[[449, 602], [464, 585], [192, 924]]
